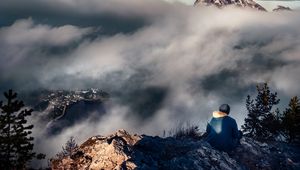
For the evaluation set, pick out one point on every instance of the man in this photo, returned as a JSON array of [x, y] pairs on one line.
[[222, 131]]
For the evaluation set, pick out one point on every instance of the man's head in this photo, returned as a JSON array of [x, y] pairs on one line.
[[225, 108]]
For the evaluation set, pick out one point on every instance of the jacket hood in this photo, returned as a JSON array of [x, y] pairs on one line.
[[218, 114]]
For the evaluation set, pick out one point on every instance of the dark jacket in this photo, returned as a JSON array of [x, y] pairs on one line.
[[222, 132]]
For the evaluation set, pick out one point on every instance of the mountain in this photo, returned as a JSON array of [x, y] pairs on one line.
[[122, 150], [222, 3], [281, 8], [63, 108], [57, 102]]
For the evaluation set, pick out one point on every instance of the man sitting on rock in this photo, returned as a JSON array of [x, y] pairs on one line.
[[222, 131]]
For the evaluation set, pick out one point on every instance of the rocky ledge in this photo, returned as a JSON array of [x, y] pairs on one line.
[[122, 150]]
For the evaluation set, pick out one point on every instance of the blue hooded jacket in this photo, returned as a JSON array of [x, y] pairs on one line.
[[222, 132]]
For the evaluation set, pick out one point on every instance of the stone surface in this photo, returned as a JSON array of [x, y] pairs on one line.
[[122, 150]]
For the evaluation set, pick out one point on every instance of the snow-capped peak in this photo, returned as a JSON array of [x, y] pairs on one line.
[[222, 3]]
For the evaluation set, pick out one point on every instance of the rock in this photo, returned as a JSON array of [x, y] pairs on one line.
[[122, 150], [222, 3], [100, 152]]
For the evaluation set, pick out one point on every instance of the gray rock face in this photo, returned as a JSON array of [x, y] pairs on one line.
[[222, 3], [124, 151]]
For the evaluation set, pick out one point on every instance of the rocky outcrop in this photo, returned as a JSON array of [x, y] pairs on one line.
[[111, 152], [122, 150], [222, 3]]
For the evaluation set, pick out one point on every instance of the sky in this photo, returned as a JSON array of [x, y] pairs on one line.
[[163, 63]]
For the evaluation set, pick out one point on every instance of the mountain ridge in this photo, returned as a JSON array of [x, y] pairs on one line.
[[239, 3], [63, 108]]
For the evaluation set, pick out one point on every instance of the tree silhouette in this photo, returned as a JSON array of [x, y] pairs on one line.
[[16, 148], [69, 149], [260, 122], [291, 120]]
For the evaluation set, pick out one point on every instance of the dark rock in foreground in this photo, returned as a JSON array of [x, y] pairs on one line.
[[124, 151]]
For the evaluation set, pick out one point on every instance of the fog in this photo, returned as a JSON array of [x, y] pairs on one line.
[[163, 64]]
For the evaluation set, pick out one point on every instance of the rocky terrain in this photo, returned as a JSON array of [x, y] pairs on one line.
[[222, 3], [122, 150]]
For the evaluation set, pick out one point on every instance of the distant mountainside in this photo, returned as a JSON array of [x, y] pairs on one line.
[[63, 108], [222, 3], [282, 8], [57, 102], [121, 151]]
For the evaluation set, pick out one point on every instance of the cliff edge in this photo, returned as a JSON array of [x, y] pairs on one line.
[[122, 150]]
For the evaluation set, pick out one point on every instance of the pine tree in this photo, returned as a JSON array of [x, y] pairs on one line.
[[69, 149], [15, 143], [291, 120], [272, 125], [260, 122]]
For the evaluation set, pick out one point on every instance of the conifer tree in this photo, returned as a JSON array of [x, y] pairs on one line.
[[69, 149], [291, 121], [15, 143], [260, 121]]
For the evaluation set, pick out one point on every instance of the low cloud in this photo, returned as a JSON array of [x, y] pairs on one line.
[[25, 32], [26, 47]]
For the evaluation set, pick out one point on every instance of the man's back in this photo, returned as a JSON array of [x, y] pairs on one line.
[[222, 132]]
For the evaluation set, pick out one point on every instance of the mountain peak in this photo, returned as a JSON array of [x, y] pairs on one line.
[[222, 3]]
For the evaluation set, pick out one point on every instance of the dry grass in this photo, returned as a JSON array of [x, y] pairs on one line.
[[186, 130]]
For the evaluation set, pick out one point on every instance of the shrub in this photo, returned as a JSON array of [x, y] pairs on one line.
[[186, 131]]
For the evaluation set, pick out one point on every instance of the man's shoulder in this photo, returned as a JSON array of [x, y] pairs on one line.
[[230, 119]]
